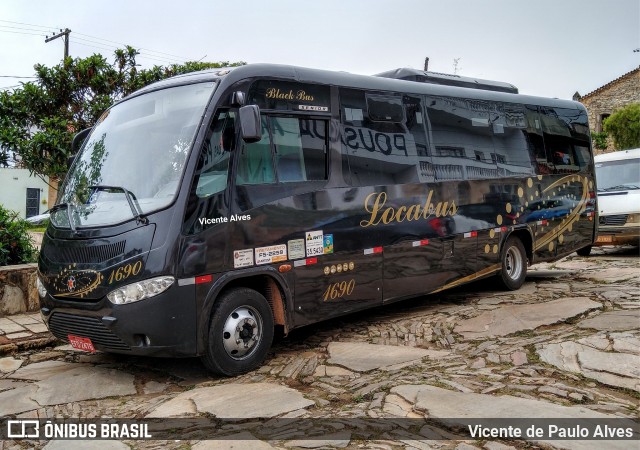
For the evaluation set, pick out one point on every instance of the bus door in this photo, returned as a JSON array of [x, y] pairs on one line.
[[338, 275]]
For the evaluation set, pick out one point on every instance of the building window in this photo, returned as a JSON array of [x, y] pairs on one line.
[[600, 122]]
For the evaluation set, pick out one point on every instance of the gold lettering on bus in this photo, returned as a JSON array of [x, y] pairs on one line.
[[289, 95], [375, 202]]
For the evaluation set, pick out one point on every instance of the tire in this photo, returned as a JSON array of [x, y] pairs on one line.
[[585, 251], [240, 333], [514, 264]]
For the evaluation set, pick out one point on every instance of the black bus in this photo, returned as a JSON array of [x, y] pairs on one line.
[[205, 210]]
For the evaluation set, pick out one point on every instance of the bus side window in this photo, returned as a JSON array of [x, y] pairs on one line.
[[509, 129], [213, 165], [566, 138], [256, 165], [299, 148], [378, 148]]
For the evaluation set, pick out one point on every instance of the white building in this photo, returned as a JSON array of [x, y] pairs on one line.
[[21, 192]]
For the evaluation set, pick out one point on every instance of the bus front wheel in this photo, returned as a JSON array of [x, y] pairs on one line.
[[514, 264], [240, 333]]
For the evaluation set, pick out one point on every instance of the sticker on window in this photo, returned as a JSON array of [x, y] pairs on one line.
[[328, 243]]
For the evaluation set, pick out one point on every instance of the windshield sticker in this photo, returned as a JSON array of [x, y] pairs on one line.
[[315, 243], [243, 258], [328, 244], [296, 249], [271, 254]]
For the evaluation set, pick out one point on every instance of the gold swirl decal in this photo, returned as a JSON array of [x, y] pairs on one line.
[[76, 283], [574, 215]]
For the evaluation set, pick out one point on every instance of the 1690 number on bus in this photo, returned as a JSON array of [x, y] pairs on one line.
[[339, 290]]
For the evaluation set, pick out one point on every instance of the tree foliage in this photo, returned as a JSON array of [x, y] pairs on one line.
[[16, 246], [624, 127], [38, 120]]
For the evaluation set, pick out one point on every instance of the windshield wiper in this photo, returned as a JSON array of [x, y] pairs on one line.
[[131, 199], [68, 207], [620, 187]]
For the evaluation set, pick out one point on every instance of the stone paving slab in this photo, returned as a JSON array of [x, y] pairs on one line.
[[10, 364], [363, 357], [86, 445], [614, 321], [513, 318], [614, 369], [455, 407], [42, 370], [238, 441], [255, 400], [84, 383], [18, 400]]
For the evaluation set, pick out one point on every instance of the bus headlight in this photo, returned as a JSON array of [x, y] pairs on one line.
[[42, 291], [139, 291]]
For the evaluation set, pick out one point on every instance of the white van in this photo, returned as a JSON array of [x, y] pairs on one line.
[[618, 182]]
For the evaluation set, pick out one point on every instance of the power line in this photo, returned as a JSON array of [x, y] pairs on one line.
[[98, 42], [14, 76], [22, 32], [29, 24]]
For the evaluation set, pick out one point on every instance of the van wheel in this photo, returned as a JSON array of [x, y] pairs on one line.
[[240, 333], [514, 264], [585, 251]]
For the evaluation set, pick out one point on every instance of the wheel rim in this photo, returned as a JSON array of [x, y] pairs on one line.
[[513, 263], [242, 332]]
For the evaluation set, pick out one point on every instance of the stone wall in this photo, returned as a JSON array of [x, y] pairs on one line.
[[610, 98], [18, 291]]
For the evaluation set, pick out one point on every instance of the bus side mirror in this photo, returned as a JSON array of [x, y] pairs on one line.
[[250, 127], [76, 143]]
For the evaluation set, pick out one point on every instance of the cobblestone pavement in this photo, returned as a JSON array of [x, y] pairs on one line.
[[565, 345]]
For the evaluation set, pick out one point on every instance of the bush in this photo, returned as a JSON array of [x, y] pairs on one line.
[[624, 127], [599, 140], [15, 244]]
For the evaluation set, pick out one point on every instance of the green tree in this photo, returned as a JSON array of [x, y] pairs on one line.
[[624, 127], [38, 120]]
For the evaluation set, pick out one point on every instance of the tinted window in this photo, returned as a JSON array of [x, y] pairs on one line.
[[462, 137], [385, 108], [566, 138], [513, 154], [256, 164], [213, 165], [376, 152], [296, 146], [288, 96]]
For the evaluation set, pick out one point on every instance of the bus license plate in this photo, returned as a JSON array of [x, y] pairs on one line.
[[605, 239], [81, 343]]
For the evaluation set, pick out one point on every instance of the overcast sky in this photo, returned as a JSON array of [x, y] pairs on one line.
[[545, 47]]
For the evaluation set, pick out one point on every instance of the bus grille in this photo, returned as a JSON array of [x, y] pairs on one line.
[[62, 325], [616, 220], [95, 254]]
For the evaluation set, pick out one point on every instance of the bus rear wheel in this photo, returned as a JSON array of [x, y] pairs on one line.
[[514, 264], [585, 251], [240, 333]]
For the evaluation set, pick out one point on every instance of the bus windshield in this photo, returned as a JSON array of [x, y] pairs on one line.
[[134, 155], [618, 175]]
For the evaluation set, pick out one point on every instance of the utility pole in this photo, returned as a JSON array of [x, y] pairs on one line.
[[64, 33]]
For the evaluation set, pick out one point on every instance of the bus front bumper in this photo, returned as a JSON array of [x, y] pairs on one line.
[[164, 325]]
